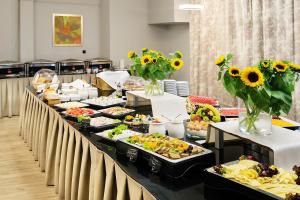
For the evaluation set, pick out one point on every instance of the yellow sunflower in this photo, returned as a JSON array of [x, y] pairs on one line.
[[179, 54], [234, 71], [146, 59], [220, 60], [265, 63], [295, 66], [280, 66], [252, 77], [154, 60], [177, 63], [144, 49], [131, 54]]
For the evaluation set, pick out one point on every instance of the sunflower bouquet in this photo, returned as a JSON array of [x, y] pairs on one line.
[[266, 87], [153, 66]]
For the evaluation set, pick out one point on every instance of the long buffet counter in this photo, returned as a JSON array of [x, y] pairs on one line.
[[11, 90], [80, 166]]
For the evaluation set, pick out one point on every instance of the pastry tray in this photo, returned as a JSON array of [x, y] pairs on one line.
[[103, 106], [218, 187], [164, 166]]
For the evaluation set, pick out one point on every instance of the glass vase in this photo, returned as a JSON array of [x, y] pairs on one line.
[[254, 121], [154, 88]]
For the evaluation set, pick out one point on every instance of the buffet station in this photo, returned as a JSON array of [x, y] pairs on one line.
[[139, 137], [15, 76]]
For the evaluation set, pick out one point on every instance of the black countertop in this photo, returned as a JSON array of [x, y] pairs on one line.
[[188, 187]]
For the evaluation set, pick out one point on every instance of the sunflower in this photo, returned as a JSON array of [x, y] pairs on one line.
[[146, 59], [220, 60], [265, 63], [295, 66], [179, 54], [131, 54], [234, 71], [280, 66], [144, 49], [177, 63], [154, 60], [252, 77]]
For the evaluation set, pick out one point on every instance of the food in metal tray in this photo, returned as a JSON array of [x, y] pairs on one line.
[[118, 132], [80, 111], [115, 111], [104, 101], [138, 119], [68, 105], [269, 178], [102, 121], [168, 147]]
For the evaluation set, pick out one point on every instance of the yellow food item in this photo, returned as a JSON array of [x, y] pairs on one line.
[[279, 122]]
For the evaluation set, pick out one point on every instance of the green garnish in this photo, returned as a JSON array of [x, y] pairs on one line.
[[117, 131], [82, 118]]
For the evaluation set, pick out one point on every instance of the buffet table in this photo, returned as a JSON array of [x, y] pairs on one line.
[[11, 90], [82, 167]]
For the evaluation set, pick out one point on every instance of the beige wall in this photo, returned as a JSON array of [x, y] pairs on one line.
[[111, 28], [9, 30], [43, 29]]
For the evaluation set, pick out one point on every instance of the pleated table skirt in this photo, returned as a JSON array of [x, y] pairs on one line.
[[76, 168], [11, 91]]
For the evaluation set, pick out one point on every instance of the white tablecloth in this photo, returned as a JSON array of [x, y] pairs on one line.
[[112, 78], [167, 105], [285, 143]]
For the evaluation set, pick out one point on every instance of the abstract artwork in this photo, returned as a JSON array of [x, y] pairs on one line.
[[67, 30]]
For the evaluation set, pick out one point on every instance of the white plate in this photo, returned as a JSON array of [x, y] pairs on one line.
[[125, 134]]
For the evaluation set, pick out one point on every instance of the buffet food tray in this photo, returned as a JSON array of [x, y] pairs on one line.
[[120, 116], [127, 133], [73, 117], [101, 106], [218, 187], [170, 168]]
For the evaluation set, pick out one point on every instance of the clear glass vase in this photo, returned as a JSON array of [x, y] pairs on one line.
[[254, 121], [154, 88]]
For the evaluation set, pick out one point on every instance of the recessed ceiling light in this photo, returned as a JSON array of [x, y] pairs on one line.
[[190, 7]]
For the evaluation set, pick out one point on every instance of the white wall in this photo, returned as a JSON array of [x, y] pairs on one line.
[[43, 29], [9, 37]]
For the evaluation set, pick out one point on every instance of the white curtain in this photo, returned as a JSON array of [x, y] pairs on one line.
[[251, 30]]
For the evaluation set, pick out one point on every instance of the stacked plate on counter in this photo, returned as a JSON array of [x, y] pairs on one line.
[[183, 88], [170, 86]]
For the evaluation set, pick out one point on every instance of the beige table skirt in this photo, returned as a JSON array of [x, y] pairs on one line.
[[76, 168], [11, 91]]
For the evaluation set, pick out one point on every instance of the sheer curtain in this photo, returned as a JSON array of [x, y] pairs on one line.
[[251, 30]]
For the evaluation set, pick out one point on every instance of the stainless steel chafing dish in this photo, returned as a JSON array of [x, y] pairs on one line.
[[34, 66], [12, 69], [71, 66], [99, 64]]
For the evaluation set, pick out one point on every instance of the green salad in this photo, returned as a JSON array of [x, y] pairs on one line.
[[117, 131]]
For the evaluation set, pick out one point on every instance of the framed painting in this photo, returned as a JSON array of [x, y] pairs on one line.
[[67, 30]]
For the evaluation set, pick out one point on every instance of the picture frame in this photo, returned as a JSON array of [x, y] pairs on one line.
[[67, 30]]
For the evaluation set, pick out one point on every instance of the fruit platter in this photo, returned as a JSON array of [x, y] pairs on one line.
[[68, 105], [253, 179], [171, 157], [117, 112], [104, 102], [119, 132], [76, 112], [197, 126], [193, 102]]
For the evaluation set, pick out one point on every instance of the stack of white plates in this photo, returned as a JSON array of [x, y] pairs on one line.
[[170, 86], [183, 88]]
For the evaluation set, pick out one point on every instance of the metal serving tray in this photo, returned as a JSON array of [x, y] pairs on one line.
[[101, 106], [174, 161]]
